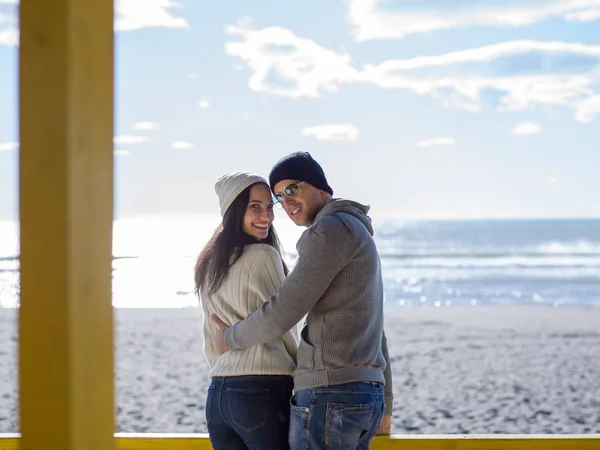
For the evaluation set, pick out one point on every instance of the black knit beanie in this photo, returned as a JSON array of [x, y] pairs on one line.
[[302, 167]]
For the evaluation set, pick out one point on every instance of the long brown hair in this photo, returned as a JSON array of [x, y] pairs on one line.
[[226, 246]]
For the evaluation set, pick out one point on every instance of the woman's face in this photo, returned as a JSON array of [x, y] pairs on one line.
[[259, 214]]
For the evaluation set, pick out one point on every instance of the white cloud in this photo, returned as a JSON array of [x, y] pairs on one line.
[[287, 65], [9, 31], [193, 76], [589, 15], [146, 126], [121, 153], [9, 36], [506, 68], [551, 179], [182, 145], [130, 15], [494, 51], [588, 109], [370, 22], [8, 146], [246, 115], [517, 74], [138, 14], [204, 104], [334, 132], [131, 140], [526, 129], [436, 141]]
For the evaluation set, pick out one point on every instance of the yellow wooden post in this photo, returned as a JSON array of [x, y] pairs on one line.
[[66, 212]]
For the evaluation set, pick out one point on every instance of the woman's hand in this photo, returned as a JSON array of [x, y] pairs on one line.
[[221, 345]]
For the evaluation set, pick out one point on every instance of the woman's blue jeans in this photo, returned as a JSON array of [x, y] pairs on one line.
[[249, 412]]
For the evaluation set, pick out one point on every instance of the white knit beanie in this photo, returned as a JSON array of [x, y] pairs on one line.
[[230, 185]]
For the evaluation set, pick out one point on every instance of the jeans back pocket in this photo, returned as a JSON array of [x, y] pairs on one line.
[[248, 408], [347, 424]]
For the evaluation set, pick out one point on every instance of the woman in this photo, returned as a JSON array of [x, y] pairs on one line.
[[241, 267]]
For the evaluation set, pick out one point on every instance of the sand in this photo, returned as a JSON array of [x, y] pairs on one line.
[[513, 369]]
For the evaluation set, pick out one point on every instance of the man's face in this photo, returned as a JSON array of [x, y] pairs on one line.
[[301, 201]]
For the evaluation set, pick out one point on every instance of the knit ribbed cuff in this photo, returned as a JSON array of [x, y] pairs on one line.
[[229, 339]]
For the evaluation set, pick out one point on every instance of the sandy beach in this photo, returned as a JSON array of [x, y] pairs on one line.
[[513, 369]]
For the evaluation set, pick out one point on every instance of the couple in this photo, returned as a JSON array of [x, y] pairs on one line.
[[327, 387]]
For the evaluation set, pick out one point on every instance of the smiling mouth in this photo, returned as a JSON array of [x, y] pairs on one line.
[[295, 211], [261, 227]]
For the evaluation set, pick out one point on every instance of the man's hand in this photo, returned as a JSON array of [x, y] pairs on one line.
[[385, 429], [220, 340]]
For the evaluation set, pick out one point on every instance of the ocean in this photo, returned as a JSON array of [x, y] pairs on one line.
[[425, 263]]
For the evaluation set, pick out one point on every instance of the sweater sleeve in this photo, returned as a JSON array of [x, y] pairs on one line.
[[387, 374], [323, 250], [272, 267]]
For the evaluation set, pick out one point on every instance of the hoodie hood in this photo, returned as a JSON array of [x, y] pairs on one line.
[[349, 207]]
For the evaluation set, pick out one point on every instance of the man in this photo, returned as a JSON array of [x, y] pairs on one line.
[[342, 361]]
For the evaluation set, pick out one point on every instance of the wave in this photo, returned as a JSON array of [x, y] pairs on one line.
[[482, 254], [546, 249], [585, 280], [580, 247], [547, 256], [492, 278], [422, 248], [16, 258]]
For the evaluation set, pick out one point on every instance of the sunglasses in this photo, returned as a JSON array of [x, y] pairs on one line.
[[291, 190]]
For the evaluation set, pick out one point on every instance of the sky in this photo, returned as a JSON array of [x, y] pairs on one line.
[[421, 109]]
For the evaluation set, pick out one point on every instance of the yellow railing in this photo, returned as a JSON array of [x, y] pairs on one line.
[[126, 441]]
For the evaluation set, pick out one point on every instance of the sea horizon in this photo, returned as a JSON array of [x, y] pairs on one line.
[[425, 262]]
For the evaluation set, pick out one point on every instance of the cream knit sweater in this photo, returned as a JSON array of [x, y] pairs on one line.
[[252, 280]]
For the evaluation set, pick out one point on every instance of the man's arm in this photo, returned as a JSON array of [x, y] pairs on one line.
[[272, 268], [323, 251]]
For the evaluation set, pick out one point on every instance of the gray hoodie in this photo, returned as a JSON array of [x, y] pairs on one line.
[[337, 285]]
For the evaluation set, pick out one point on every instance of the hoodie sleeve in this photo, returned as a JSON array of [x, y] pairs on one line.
[[323, 250], [273, 277]]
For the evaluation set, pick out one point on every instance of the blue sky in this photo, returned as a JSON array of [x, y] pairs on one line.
[[446, 109]]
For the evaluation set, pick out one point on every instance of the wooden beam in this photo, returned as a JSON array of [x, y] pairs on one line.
[[150, 441], [66, 213], [146, 441], [488, 442]]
